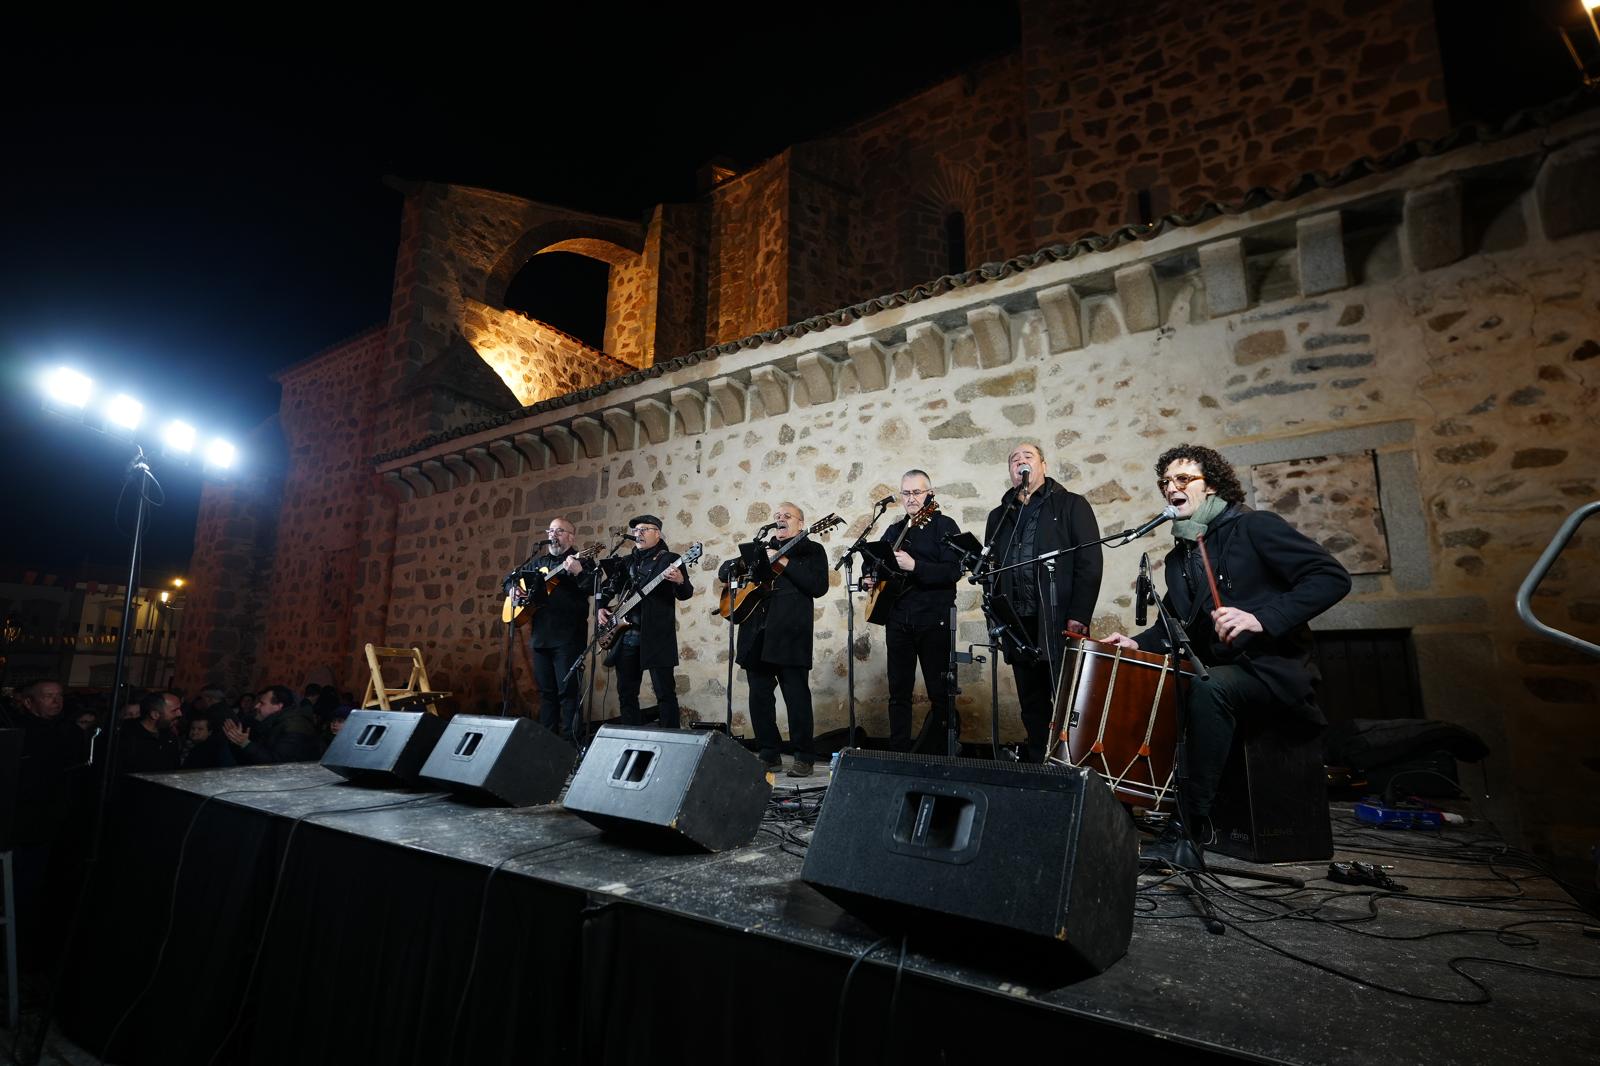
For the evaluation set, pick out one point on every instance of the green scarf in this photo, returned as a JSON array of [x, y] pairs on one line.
[[1204, 515]]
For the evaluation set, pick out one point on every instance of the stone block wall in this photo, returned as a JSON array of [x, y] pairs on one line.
[[747, 280], [534, 359], [1278, 336], [1202, 102]]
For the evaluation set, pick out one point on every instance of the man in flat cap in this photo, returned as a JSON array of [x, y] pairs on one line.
[[651, 641]]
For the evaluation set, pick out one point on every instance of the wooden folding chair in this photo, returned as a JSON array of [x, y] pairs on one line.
[[416, 692]]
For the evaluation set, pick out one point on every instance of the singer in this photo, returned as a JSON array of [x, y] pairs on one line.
[[1273, 580], [918, 626], [651, 642], [1038, 515], [560, 626]]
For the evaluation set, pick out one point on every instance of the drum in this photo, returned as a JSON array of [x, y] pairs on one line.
[[1116, 712]]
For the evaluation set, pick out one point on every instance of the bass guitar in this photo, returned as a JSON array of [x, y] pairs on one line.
[[512, 611], [887, 589], [607, 635], [739, 604]]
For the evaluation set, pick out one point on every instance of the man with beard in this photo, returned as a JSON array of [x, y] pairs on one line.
[[1039, 515], [560, 623], [651, 642]]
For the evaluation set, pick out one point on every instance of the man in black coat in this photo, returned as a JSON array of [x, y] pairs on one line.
[[284, 731], [1273, 580], [150, 744], [774, 643], [651, 643], [1038, 515], [560, 622], [918, 627]]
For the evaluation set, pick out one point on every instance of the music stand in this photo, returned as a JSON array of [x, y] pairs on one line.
[[757, 567], [880, 559]]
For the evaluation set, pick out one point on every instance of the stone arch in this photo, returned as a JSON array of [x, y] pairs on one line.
[[609, 241]]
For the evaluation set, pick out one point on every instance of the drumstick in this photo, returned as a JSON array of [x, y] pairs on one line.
[[1211, 577]]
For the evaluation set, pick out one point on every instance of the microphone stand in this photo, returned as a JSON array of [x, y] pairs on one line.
[[847, 561], [601, 593], [736, 579]]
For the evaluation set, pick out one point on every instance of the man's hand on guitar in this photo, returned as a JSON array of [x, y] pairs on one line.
[[605, 616], [675, 576], [868, 582], [573, 566], [519, 596], [903, 559]]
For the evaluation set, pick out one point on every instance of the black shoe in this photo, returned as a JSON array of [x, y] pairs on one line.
[[775, 764], [800, 768], [1173, 849]]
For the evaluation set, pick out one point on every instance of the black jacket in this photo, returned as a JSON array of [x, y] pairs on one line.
[[1062, 518], [1266, 567], [657, 616], [291, 735], [562, 617], [779, 633], [144, 752], [930, 589]]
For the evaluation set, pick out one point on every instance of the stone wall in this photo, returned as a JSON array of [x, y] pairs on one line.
[[1202, 102], [326, 421], [534, 359], [747, 283], [1441, 318]]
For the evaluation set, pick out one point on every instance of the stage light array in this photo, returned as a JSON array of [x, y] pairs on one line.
[[68, 392]]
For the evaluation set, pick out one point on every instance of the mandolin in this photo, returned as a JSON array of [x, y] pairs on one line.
[[887, 589], [607, 635], [512, 611], [741, 603]]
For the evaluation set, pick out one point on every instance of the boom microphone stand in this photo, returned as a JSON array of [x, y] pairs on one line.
[[846, 561]]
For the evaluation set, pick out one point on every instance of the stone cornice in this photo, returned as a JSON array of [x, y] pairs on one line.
[[1418, 184]]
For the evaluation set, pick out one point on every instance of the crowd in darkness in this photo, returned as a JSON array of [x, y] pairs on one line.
[[55, 783]]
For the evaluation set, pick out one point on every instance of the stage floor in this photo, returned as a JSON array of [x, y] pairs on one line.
[[1326, 974]]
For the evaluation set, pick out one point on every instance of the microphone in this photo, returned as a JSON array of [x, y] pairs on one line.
[[887, 500], [1168, 513], [1141, 616], [1024, 472], [625, 535]]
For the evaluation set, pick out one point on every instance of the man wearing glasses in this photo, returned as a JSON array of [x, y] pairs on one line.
[[652, 642], [918, 629], [1039, 515], [559, 626], [1272, 580]]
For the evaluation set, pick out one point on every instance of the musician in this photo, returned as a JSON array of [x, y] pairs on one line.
[[774, 643], [560, 625], [918, 630], [1273, 580], [652, 642], [1038, 515]]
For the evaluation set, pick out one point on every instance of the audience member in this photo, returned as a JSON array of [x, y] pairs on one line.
[[151, 744], [284, 731]]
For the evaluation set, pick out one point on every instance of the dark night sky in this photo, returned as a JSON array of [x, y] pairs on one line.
[[181, 218]]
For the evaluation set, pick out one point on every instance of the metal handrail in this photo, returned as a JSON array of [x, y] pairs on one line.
[[1530, 584]]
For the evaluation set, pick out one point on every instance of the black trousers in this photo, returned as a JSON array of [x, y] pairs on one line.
[[1035, 692], [630, 676], [763, 679], [558, 710], [1216, 707], [909, 644]]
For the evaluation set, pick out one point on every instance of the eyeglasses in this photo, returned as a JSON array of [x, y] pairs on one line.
[[912, 494], [558, 529], [640, 530], [1180, 480]]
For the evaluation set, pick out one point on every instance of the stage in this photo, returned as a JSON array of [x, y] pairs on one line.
[[352, 937]]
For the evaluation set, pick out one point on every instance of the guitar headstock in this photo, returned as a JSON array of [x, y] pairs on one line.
[[822, 525], [591, 550], [925, 515], [692, 556]]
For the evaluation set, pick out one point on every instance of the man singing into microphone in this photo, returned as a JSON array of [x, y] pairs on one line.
[[918, 629], [1037, 515], [560, 624], [1272, 580], [775, 642], [652, 643]]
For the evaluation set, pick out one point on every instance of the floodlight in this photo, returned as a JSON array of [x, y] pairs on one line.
[[179, 437], [165, 596], [67, 389], [124, 412], [219, 454], [177, 582]]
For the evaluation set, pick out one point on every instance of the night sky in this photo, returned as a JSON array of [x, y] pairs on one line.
[[182, 218]]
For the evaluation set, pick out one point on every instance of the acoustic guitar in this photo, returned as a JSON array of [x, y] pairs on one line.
[[512, 611], [740, 604], [607, 635], [887, 589]]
